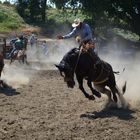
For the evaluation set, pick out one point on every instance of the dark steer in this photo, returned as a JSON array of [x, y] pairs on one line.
[[85, 67]]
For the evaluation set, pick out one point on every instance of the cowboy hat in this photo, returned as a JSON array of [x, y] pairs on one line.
[[76, 22]]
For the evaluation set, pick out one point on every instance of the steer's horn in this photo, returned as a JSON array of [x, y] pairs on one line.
[[59, 67], [56, 65], [124, 87]]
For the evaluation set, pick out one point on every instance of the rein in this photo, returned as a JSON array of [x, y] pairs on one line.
[[78, 59]]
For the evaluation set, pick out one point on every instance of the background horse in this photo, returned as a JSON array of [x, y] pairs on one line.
[[2, 83], [19, 55], [1, 63], [93, 70]]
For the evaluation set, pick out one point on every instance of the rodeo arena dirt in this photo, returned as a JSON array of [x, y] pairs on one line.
[[40, 106]]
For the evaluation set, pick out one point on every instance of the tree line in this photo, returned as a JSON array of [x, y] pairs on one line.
[[117, 13], [112, 13], [32, 9]]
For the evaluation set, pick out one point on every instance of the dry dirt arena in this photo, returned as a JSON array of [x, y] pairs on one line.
[[41, 107]]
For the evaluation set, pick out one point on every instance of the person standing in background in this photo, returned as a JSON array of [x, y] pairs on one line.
[[32, 40], [44, 47]]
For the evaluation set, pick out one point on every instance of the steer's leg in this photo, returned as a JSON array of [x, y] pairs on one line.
[[102, 89], [123, 102], [114, 91], [80, 82], [95, 92]]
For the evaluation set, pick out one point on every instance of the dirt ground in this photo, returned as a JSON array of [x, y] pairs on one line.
[[43, 108]]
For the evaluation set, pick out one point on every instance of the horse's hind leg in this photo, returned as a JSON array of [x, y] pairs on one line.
[[25, 59], [11, 60], [96, 93]]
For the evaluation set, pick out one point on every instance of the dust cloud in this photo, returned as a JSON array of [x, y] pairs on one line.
[[125, 60], [56, 50], [16, 75]]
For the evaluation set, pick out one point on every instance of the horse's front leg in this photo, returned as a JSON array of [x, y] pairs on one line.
[[11, 60], [95, 92], [80, 82]]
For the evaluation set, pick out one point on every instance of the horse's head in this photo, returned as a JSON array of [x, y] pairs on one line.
[[67, 67]]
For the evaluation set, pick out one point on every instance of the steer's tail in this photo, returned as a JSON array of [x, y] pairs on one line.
[[124, 87], [124, 103]]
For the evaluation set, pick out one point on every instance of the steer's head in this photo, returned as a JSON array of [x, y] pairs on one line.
[[67, 72]]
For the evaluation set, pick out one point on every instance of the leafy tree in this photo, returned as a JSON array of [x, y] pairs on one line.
[[117, 13], [59, 3], [128, 11], [43, 9], [33, 9], [21, 7]]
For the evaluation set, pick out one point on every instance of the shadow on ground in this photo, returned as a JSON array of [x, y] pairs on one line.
[[123, 114], [9, 91]]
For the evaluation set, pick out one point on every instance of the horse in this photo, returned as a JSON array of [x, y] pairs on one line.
[[95, 71], [2, 83], [19, 55], [1, 63]]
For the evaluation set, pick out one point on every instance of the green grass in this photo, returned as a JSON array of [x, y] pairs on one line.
[[56, 21], [9, 19]]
